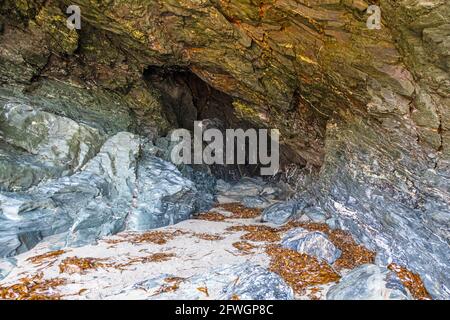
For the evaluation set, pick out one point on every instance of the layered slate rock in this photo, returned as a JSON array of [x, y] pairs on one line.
[[369, 282], [395, 204], [163, 196], [88, 204], [105, 197], [280, 213], [20, 170], [315, 244]]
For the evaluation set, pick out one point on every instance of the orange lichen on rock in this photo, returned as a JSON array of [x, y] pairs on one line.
[[46, 256], [34, 288], [300, 270], [411, 281], [244, 246], [73, 265], [239, 211], [257, 233]]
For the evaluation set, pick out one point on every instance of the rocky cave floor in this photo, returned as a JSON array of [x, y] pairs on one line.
[[122, 222], [147, 231], [228, 253]]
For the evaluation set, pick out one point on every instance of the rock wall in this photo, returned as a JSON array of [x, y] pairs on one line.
[[368, 111]]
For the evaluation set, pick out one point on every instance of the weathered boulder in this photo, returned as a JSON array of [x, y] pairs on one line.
[[163, 196], [100, 196], [316, 214], [115, 190], [280, 213], [253, 284], [20, 170], [315, 244], [256, 202], [369, 282], [54, 131], [252, 192]]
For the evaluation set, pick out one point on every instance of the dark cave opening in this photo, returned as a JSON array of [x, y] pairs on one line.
[[187, 98]]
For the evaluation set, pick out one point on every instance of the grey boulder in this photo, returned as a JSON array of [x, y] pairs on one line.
[[256, 202], [252, 192], [369, 282], [257, 283], [120, 188], [315, 214], [314, 244], [20, 170], [280, 213], [163, 196], [91, 203]]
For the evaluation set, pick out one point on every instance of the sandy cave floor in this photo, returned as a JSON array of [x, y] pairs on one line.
[[229, 234]]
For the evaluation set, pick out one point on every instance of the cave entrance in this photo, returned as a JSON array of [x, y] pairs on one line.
[[187, 98]]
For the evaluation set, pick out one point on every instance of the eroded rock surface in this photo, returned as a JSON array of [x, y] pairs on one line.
[[112, 192], [280, 213], [315, 244]]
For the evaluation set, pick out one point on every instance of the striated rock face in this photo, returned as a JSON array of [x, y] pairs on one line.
[[365, 112], [280, 213]]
